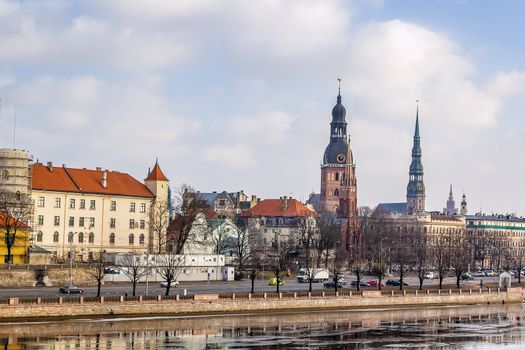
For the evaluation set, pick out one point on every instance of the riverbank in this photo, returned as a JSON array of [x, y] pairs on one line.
[[80, 307]]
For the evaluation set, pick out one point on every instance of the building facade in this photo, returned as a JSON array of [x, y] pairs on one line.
[[15, 171], [92, 211]]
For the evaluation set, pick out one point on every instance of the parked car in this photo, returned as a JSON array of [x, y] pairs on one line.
[[273, 282], [478, 274], [331, 284], [111, 271], [319, 275], [164, 284], [70, 289], [430, 275], [489, 273], [361, 284], [466, 276], [373, 283], [395, 283]]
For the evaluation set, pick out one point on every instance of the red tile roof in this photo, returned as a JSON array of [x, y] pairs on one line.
[[277, 207], [12, 222], [87, 181], [156, 174]]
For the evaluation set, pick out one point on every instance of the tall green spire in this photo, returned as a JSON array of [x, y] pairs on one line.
[[416, 186]]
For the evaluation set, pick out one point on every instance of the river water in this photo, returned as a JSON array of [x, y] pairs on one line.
[[465, 327]]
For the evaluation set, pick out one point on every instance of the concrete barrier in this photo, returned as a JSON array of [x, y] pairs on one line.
[[210, 303]]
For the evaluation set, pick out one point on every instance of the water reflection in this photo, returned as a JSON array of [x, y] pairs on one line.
[[471, 327]]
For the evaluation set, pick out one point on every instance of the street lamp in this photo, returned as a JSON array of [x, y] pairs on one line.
[[71, 237]]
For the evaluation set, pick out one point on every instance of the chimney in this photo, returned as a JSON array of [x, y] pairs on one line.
[[285, 203], [50, 166], [104, 181], [99, 168], [253, 201], [238, 204]]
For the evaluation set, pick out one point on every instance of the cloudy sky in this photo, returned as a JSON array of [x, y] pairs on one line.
[[237, 94]]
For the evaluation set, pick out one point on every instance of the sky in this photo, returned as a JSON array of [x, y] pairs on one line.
[[237, 95]]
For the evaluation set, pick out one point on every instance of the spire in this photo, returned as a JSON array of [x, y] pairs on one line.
[[416, 186], [416, 132], [156, 173], [339, 91], [450, 195]]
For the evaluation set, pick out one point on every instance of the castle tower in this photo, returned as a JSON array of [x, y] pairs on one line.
[[15, 171], [338, 180], [463, 210], [416, 186], [158, 184]]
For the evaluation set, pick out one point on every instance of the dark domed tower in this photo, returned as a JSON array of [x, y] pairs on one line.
[[338, 180]]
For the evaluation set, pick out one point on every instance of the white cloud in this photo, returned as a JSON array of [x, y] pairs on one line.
[[234, 157], [271, 127]]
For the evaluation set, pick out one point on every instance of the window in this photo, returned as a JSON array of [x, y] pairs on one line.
[[71, 221], [5, 174], [112, 222], [336, 192], [39, 236], [71, 204], [80, 237], [132, 207], [81, 221], [222, 202], [91, 222], [112, 238], [41, 202], [131, 223], [113, 206], [57, 220], [40, 220], [142, 224], [131, 239], [142, 207], [141, 240], [55, 236], [57, 202], [91, 237], [92, 204], [82, 204], [70, 237]]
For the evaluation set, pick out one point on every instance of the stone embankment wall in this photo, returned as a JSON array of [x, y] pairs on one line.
[[214, 303], [47, 276]]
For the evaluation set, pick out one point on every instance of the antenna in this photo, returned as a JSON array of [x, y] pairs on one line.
[[14, 131]]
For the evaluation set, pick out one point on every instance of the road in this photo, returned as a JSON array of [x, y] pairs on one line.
[[110, 288]]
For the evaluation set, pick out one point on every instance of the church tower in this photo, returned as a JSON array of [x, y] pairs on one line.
[[450, 210], [416, 186], [463, 210], [338, 180]]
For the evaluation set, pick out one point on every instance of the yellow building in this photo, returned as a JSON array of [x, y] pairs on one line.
[[19, 249]]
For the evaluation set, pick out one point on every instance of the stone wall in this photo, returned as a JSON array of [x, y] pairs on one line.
[[210, 304], [54, 276]]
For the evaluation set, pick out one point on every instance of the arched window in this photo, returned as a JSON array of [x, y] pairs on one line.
[[112, 238], [56, 236], [336, 176], [131, 239], [91, 237], [80, 237], [336, 192], [141, 239], [5, 174], [39, 236], [70, 237]]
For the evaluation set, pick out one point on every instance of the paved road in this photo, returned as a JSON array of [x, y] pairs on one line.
[[204, 287]]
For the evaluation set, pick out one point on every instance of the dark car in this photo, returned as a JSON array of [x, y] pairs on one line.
[[111, 271], [69, 289], [361, 284], [331, 284], [395, 283]]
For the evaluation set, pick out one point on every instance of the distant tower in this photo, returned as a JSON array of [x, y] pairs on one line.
[[463, 210], [416, 186], [158, 184], [451, 205], [15, 171], [338, 180]]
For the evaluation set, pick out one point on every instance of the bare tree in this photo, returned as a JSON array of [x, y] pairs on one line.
[[358, 267], [421, 256], [329, 236], [245, 242], [15, 219], [158, 224], [460, 253], [254, 262], [188, 208], [440, 250], [97, 270], [134, 269], [338, 262], [309, 238], [220, 234], [401, 252], [169, 266], [280, 260]]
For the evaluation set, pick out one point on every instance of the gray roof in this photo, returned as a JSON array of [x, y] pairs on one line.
[[392, 208], [38, 249], [314, 198], [495, 218]]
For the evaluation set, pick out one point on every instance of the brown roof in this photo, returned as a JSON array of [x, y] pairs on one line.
[[278, 207], [87, 181], [156, 174], [444, 218]]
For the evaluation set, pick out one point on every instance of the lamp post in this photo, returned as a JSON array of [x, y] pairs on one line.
[[70, 239]]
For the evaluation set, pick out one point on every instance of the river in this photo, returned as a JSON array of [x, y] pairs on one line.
[[464, 327]]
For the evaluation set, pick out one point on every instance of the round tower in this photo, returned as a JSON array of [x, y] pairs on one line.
[[15, 171]]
